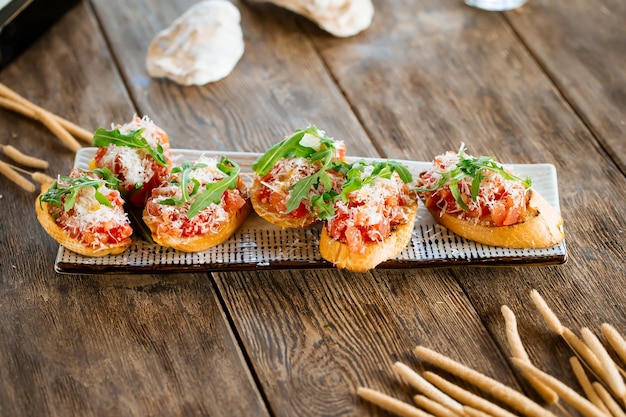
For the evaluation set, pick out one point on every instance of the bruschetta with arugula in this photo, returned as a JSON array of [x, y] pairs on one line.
[[291, 173], [138, 153], [84, 212], [371, 220], [482, 200], [201, 205]]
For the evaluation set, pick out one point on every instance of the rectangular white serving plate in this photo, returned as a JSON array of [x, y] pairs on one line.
[[260, 245]]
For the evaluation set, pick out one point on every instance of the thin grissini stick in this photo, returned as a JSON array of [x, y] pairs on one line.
[[58, 130], [613, 378], [583, 405], [425, 387], [390, 404], [548, 315], [41, 178], [607, 398], [8, 171], [23, 159], [472, 412], [77, 131], [503, 393], [615, 339], [44, 117], [584, 353], [433, 407], [517, 348], [585, 384], [466, 397]]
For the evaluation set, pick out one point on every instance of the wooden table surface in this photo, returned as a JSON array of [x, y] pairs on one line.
[[541, 84]]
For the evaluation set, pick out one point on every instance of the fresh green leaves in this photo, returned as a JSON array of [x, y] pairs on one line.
[[301, 189], [63, 191], [133, 139], [472, 168], [212, 193], [357, 175], [291, 147]]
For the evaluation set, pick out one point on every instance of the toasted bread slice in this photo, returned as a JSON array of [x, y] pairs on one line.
[[71, 243], [202, 242], [375, 253], [541, 227], [269, 213]]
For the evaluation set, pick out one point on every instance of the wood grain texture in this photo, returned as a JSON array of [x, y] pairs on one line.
[[582, 46], [279, 85], [100, 345], [424, 77]]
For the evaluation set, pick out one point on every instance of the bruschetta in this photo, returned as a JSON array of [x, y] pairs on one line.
[[200, 206], [290, 173], [481, 200], [138, 153], [85, 213], [373, 217]]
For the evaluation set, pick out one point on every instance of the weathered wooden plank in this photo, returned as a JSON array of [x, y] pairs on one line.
[[582, 46], [98, 345], [280, 83]]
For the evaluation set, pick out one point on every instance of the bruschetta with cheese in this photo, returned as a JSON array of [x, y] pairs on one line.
[[138, 153], [482, 200], [290, 173], [201, 205], [373, 217], [84, 212]]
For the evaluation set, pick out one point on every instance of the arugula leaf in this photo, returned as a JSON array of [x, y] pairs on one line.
[[291, 147], [185, 178], [56, 191], [301, 189], [133, 139], [213, 192], [383, 169], [472, 168]]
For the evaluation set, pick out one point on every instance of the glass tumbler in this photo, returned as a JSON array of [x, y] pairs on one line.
[[495, 5]]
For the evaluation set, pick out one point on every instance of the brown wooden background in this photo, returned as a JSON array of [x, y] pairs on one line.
[[544, 83]]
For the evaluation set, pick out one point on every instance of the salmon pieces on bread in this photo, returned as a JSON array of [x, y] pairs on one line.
[[138, 153], [482, 200], [84, 212], [372, 218], [201, 205], [289, 176]]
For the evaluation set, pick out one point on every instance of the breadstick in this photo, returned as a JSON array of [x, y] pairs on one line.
[[41, 178], [74, 129], [517, 348], [472, 412], [420, 384], [56, 128], [579, 402], [44, 116], [584, 353], [390, 404], [615, 339], [500, 391], [613, 378], [22, 159], [433, 407], [607, 398], [8, 171], [585, 384], [548, 315], [467, 397]]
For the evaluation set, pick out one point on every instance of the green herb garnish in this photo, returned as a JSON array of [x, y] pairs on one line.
[[324, 205], [133, 139], [55, 193], [291, 147], [212, 193], [472, 168]]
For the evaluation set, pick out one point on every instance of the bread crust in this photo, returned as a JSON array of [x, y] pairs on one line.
[[541, 227], [71, 243], [375, 253], [202, 242], [267, 212]]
